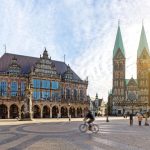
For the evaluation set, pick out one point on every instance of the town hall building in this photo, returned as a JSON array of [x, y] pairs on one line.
[[33, 87]]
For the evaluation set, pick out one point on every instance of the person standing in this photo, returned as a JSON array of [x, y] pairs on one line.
[[69, 118], [140, 117], [131, 119]]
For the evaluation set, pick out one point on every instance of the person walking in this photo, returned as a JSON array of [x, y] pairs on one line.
[[131, 119], [140, 117]]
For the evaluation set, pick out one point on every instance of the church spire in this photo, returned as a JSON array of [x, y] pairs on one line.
[[118, 42], [143, 43]]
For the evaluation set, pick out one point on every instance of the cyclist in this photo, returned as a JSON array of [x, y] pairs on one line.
[[91, 118]]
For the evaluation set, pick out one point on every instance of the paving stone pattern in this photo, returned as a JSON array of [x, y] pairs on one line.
[[113, 135]]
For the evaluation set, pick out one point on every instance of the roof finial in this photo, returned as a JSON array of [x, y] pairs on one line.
[[64, 58], [5, 47]]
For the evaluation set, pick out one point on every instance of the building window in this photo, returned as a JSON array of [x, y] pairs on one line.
[[36, 95], [54, 85], [14, 88], [22, 88], [36, 83], [67, 93], [75, 94], [46, 84], [45, 95], [3, 88], [55, 96], [81, 95], [62, 92]]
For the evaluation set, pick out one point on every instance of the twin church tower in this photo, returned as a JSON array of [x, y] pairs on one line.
[[130, 94]]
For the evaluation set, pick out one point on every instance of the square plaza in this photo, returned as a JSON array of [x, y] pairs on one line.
[[60, 134]]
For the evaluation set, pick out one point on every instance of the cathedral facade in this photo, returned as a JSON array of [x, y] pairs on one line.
[[40, 88], [130, 95]]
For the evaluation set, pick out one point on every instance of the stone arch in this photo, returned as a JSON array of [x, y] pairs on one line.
[[22, 108], [46, 112], [3, 111], [14, 111], [36, 111], [79, 112], [55, 112], [72, 112], [64, 112]]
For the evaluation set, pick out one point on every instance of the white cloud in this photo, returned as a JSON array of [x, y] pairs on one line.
[[83, 30]]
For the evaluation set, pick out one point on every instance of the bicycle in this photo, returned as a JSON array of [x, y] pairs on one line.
[[85, 127]]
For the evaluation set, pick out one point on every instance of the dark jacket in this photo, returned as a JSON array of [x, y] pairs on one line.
[[131, 117], [89, 115]]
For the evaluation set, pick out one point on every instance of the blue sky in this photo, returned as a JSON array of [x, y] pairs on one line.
[[84, 31]]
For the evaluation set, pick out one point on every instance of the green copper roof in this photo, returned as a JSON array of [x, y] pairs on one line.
[[143, 43], [118, 43], [127, 81]]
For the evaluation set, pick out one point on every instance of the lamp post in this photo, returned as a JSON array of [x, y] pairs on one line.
[[69, 113], [107, 120]]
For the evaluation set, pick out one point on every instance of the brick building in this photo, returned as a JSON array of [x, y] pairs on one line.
[[40, 87]]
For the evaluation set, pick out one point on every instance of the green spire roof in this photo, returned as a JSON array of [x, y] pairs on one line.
[[118, 43], [143, 43]]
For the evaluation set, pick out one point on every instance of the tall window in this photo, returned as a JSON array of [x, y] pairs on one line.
[[67, 93], [14, 88], [36, 83], [22, 88], [55, 85], [81, 94], [55, 96], [45, 95], [3, 88], [75, 93], [62, 92], [46, 84], [36, 94]]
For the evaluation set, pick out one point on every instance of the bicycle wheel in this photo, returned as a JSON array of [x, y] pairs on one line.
[[95, 128], [83, 127]]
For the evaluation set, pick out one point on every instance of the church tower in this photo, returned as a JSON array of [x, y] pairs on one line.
[[118, 91], [143, 65]]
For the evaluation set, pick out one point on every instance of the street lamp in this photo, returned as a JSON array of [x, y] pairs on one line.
[[69, 113], [107, 120]]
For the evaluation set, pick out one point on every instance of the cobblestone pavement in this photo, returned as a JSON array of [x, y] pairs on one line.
[[64, 135]]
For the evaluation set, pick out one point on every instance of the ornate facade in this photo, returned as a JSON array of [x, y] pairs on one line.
[[40, 87], [97, 106], [130, 94]]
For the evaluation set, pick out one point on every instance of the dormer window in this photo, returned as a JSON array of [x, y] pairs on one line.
[[68, 75]]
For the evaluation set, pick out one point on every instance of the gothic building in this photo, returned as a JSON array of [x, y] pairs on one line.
[[41, 87], [130, 94]]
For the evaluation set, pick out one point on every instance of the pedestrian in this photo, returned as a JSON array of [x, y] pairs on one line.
[[131, 119], [69, 118], [146, 121], [140, 117], [57, 115]]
